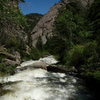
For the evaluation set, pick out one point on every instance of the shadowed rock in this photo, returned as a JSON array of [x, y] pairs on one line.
[[11, 59]]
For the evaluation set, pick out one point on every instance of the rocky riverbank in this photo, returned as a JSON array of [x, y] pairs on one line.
[[48, 63]]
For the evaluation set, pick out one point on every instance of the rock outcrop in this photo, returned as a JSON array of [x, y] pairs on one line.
[[9, 58], [44, 27]]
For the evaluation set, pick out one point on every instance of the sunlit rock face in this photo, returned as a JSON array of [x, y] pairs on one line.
[[44, 27]]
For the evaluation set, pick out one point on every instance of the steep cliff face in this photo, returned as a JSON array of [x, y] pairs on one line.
[[32, 20], [44, 28]]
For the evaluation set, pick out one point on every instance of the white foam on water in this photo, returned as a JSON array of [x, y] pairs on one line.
[[35, 85], [28, 63], [25, 75], [59, 74], [62, 80], [74, 80], [49, 60], [38, 84]]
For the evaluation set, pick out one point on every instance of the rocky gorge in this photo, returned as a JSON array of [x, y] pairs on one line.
[[32, 83], [55, 56]]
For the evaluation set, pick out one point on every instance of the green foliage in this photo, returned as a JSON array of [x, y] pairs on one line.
[[96, 75], [70, 30], [94, 19], [65, 21], [32, 20], [34, 54], [12, 23], [75, 25], [76, 40], [57, 47], [90, 52], [75, 56], [83, 56], [6, 69]]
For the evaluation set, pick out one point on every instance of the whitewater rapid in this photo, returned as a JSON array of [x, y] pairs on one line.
[[38, 84]]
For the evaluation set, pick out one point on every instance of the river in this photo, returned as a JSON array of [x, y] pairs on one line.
[[38, 84]]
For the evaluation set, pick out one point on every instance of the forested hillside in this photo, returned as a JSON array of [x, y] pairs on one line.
[[76, 40], [15, 39], [70, 32]]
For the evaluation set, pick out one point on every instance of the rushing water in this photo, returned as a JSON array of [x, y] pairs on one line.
[[38, 84]]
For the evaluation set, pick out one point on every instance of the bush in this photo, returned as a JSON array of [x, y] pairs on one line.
[[83, 57], [35, 54], [96, 75], [91, 55], [56, 46], [75, 56], [6, 69]]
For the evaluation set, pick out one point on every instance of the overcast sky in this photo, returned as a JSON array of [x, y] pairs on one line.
[[37, 6]]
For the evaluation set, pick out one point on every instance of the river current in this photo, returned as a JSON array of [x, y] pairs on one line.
[[39, 84]]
